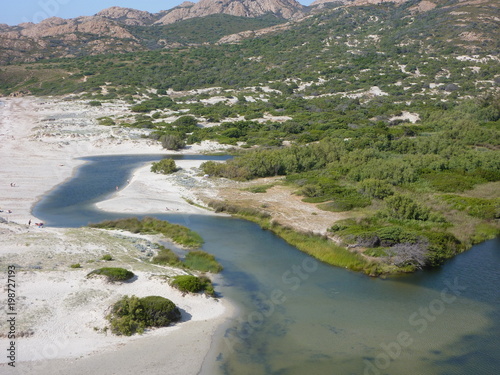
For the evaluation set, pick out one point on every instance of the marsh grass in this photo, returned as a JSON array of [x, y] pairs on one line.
[[148, 225], [166, 256], [319, 247], [324, 249], [202, 261]]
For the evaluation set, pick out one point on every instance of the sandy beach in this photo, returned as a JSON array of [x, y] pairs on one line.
[[60, 326]]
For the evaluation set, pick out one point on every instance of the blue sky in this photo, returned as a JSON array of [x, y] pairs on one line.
[[13, 12]]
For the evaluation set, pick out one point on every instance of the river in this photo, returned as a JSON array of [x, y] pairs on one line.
[[300, 316]]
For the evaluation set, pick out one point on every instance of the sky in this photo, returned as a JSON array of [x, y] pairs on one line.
[[13, 12]]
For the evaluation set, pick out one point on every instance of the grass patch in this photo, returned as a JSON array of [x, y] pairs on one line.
[[325, 250], [113, 273], [452, 182], [193, 284], [483, 232], [376, 252], [481, 208], [346, 203], [202, 261], [166, 256], [245, 212], [107, 257], [259, 188], [148, 225]]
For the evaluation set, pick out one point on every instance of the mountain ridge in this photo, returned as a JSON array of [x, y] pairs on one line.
[[124, 30]]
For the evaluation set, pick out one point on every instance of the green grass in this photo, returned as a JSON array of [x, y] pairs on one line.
[[325, 250], [202, 261], [259, 188], [166, 257], [148, 225], [483, 232], [481, 208]]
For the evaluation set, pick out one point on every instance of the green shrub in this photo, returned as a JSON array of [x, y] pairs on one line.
[[392, 235], [166, 256], [404, 208], [132, 314], [442, 246], [187, 283], [376, 188], [113, 273], [193, 284], [165, 166], [172, 142], [76, 265], [159, 311], [106, 121], [107, 257], [95, 103], [202, 261]]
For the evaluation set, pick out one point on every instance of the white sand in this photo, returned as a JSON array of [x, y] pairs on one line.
[[61, 313]]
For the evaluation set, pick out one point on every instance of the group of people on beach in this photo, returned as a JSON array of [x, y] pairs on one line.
[[39, 225]]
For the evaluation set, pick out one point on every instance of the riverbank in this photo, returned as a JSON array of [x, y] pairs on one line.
[[61, 316]]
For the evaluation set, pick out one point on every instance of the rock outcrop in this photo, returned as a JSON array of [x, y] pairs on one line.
[[287, 9]]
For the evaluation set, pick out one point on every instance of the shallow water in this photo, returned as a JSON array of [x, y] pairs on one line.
[[300, 316]]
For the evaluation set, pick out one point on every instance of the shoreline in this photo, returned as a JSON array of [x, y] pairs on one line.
[[63, 348]]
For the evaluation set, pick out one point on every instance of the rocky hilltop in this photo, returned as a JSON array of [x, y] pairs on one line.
[[120, 30], [110, 29], [128, 16], [287, 9]]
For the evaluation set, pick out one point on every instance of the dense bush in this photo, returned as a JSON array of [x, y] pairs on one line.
[[164, 166], [404, 208], [376, 188], [172, 142], [193, 284], [113, 273], [132, 314]]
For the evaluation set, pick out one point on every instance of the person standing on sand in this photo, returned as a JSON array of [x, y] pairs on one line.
[[29, 223]]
